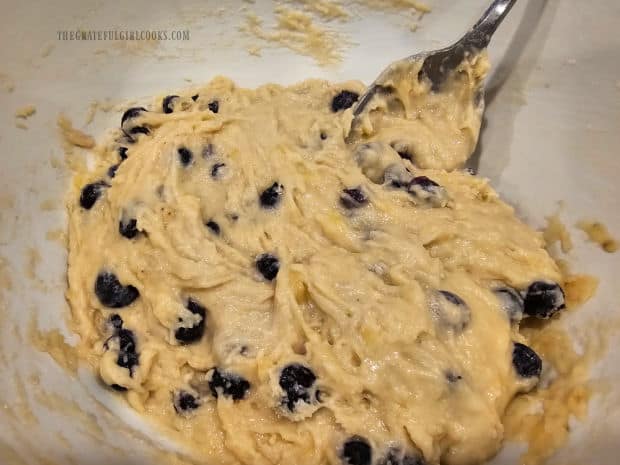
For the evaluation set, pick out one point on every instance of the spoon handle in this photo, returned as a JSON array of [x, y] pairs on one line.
[[480, 34]]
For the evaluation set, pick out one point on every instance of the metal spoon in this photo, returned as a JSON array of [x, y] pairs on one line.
[[438, 64]]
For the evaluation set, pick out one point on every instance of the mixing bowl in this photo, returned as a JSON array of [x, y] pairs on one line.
[[550, 143]]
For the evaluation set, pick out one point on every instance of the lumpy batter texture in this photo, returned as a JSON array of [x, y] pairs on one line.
[[276, 291]]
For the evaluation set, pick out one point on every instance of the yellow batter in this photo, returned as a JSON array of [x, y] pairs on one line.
[[277, 295]]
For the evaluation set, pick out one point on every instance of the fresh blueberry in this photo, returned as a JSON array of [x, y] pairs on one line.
[[91, 193], [128, 228], [413, 460], [122, 152], [424, 183], [127, 355], [185, 156], [271, 196], [396, 456], [214, 106], [296, 381], [214, 227], [527, 363], [228, 385], [187, 335], [510, 302], [112, 170], [111, 293], [403, 150], [139, 130], [453, 298], [132, 113], [185, 402], [397, 176], [450, 311], [543, 299], [357, 451], [393, 457], [353, 198], [195, 97], [208, 151], [268, 266], [428, 190], [126, 341], [344, 100], [217, 169], [116, 321], [168, 104]]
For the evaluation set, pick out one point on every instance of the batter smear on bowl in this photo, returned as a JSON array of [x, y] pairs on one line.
[[280, 291]]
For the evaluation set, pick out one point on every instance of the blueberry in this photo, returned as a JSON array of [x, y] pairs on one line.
[[396, 456], [127, 355], [122, 152], [193, 333], [111, 293], [424, 183], [116, 321], [228, 384], [270, 197], [526, 362], [357, 451], [413, 460], [185, 402], [168, 104], [132, 113], [128, 228], [391, 458], [543, 299], [208, 151], [353, 198], [397, 176], [510, 302], [428, 190], [453, 298], [296, 380], [214, 106], [195, 97], [268, 266], [217, 169], [185, 156], [139, 130], [112, 170], [344, 100], [402, 149], [450, 311], [214, 227], [91, 193]]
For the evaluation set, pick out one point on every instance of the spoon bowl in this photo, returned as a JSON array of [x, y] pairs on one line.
[[437, 65]]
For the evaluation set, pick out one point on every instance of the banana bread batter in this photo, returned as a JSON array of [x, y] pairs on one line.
[[277, 292]]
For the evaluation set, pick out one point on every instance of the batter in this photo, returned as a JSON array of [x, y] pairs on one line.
[[278, 290]]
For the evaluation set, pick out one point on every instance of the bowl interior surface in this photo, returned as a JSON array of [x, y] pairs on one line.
[[551, 136]]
